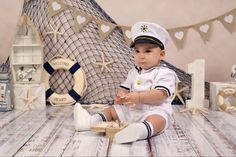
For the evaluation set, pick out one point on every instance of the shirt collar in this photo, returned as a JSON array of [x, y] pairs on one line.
[[140, 70]]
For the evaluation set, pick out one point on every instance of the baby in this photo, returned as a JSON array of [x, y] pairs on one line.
[[144, 99]]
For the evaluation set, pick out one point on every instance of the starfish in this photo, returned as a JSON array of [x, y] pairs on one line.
[[103, 64], [193, 110], [177, 93], [55, 32], [29, 99]]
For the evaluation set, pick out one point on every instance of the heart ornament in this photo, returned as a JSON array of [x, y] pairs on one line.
[[80, 19], [56, 6], [179, 35], [204, 28], [128, 34], [105, 28], [229, 18]]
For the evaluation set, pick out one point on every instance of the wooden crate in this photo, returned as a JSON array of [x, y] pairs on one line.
[[215, 87]]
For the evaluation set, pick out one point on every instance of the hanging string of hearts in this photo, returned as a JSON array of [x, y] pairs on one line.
[[178, 35]]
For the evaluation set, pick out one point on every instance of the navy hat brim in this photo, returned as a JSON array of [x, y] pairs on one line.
[[147, 40]]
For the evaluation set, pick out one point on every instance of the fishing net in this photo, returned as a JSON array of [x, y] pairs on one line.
[[86, 47]]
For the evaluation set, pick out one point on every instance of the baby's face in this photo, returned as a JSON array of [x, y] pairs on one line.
[[147, 55]]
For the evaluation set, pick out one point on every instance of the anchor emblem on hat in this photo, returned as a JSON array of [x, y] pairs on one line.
[[144, 28]]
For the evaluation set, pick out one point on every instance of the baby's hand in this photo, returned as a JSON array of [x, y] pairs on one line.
[[131, 99], [119, 99]]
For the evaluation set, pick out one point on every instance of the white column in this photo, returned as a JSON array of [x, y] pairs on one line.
[[197, 70]]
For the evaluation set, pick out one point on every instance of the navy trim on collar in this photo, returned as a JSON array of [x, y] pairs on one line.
[[138, 69]]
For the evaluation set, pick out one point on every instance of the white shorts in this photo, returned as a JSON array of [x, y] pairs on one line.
[[129, 115]]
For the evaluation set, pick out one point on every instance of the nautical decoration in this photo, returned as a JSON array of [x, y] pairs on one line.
[[233, 72], [5, 92], [226, 99], [86, 47], [178, 34], [55, 32], [79, 85], [215, 88], [103, 64], [197, 101], [26, 55], [177, 92], [29, 96]]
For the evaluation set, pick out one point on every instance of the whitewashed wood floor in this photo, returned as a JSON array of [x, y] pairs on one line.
[[50, 132]]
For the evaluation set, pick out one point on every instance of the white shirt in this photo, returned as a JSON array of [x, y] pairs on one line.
[[159, 77]]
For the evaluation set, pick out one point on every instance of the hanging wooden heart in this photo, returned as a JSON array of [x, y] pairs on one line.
[[179, 35], [229, 18], [80, 19], [105, 28], [204, 28], [55, 7], [127, 34]]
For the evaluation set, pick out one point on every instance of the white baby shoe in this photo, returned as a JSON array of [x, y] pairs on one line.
[[81, 118]]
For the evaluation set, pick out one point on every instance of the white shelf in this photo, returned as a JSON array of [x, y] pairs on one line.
[[30, 73], [27, 55], [26, 45]]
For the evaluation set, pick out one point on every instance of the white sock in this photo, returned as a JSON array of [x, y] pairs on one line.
[[149, 127], [134, 132], [98, 117]]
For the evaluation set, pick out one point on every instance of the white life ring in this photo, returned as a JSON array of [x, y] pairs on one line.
[[79, 84], [222, 95]]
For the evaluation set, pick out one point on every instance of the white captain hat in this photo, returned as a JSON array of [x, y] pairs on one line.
[[146, 32]]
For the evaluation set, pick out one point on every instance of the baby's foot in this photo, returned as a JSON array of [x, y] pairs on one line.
[[81, 118], [128, 134]]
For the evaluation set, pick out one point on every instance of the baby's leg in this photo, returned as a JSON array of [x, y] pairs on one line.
[[83, 120], [107, 114], [152, 125], [158, 123]]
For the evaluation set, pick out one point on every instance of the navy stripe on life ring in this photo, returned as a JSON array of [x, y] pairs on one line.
[[48, 68], [49, 92], [74, 94], [74, 68]]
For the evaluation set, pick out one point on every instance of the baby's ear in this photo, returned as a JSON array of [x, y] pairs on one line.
[[163, 53]]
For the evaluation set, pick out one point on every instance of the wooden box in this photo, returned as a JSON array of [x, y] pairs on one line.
[[29, 96], [109, 128], [214, 90]]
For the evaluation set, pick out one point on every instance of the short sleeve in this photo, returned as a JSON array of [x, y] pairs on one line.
[[166, 80], [127, 83]]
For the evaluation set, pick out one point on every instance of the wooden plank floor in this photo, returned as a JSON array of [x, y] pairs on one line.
[[50, 132]]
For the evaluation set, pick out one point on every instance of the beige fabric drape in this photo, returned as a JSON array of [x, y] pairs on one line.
[[10, 11]]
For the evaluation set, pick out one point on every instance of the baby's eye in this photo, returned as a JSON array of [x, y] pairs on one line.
[[136, 51], [147, 51]]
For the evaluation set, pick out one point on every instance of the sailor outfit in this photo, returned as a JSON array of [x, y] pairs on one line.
[[139, 80]]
